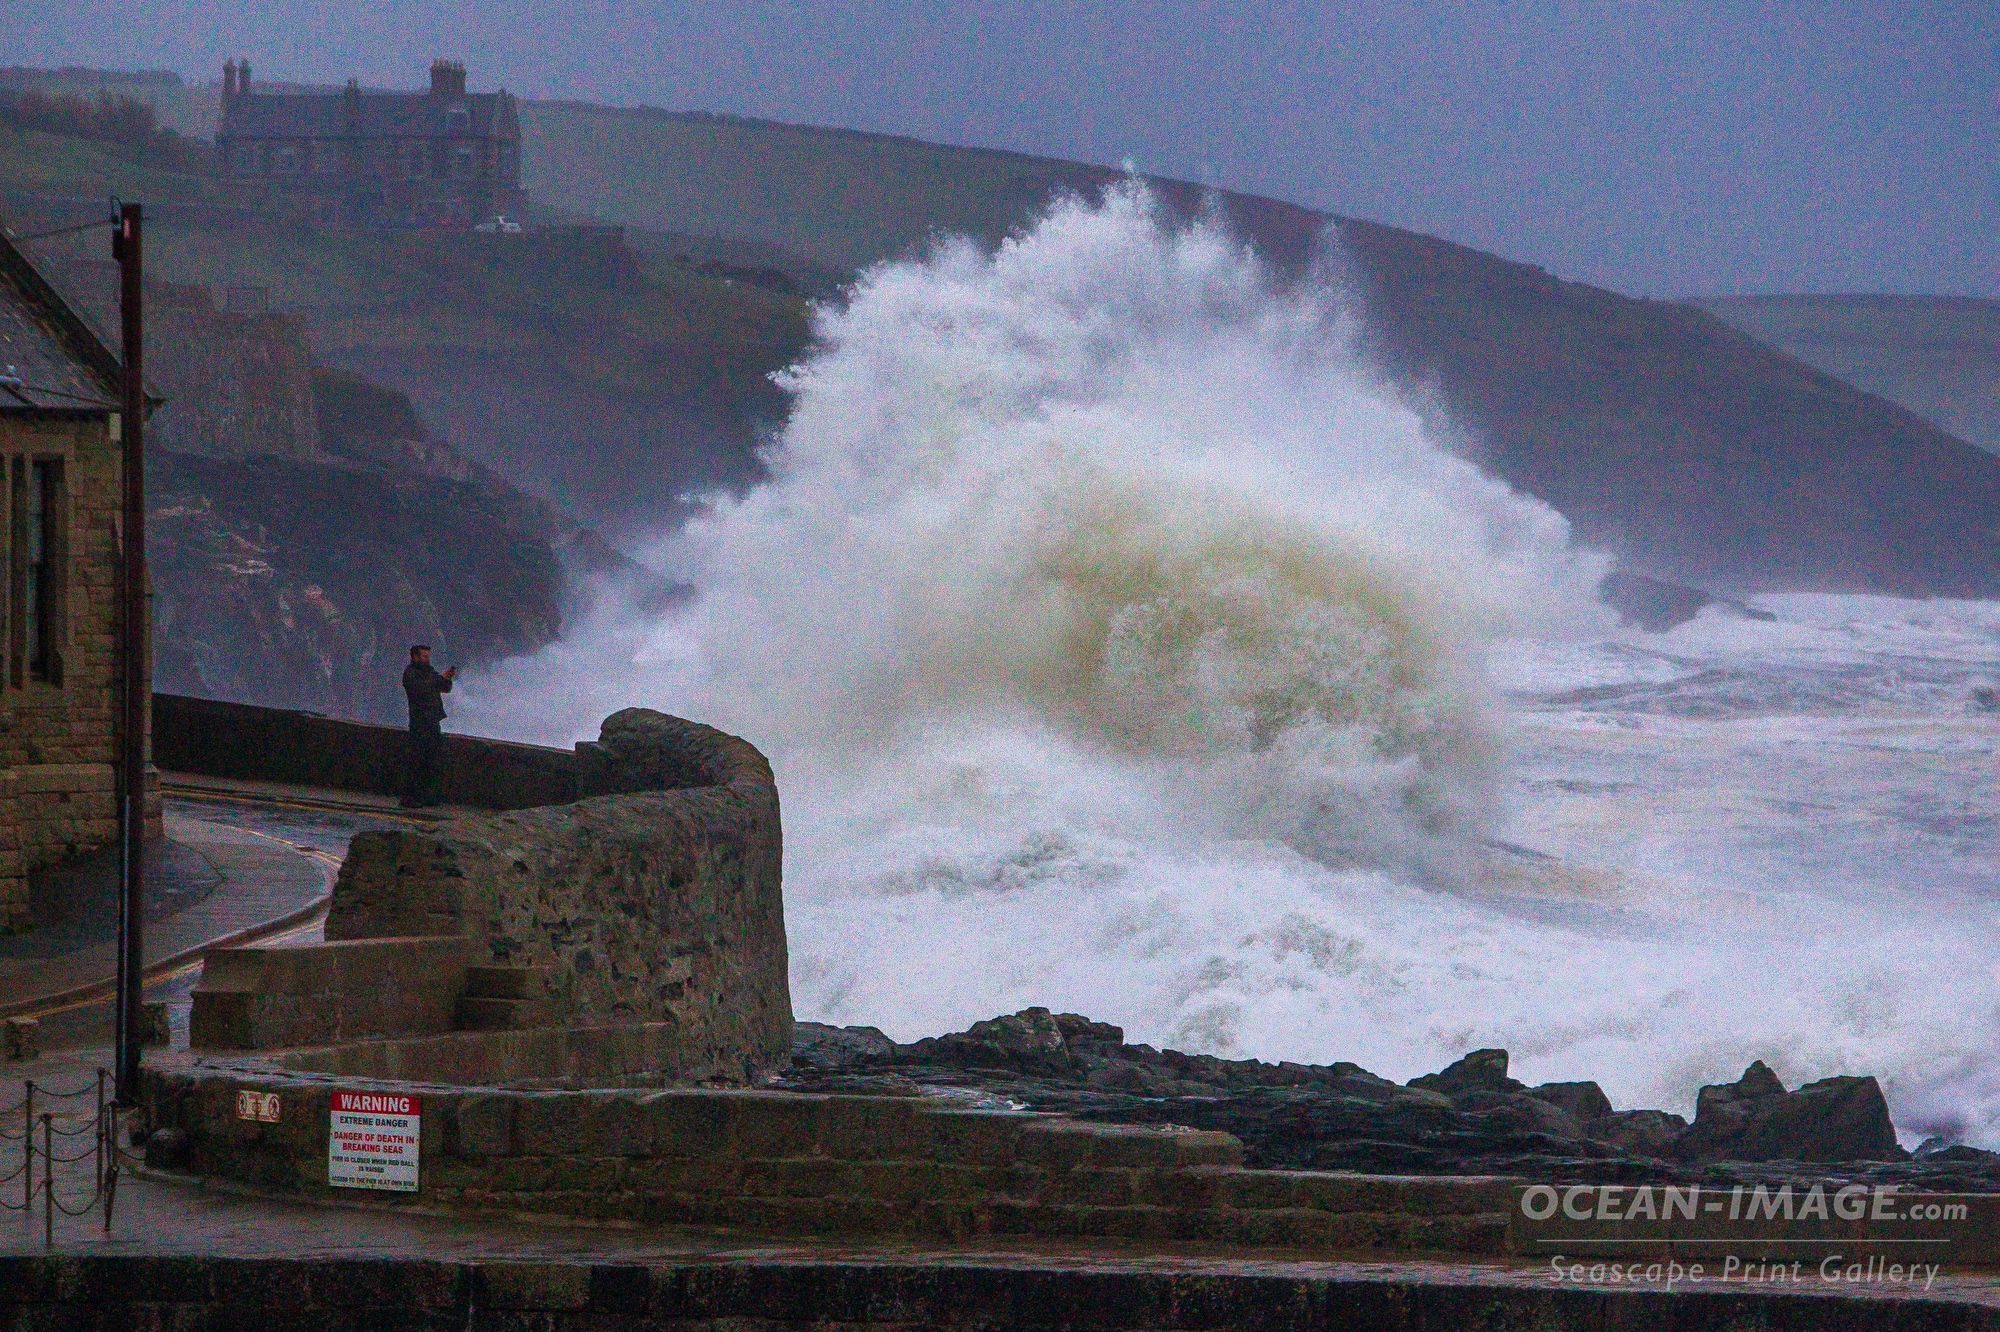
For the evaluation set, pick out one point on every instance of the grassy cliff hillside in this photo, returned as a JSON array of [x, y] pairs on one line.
[[1939, 356], [834, 197], [1667, 436]]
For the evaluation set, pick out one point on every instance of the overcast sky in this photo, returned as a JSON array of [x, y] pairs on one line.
[[1664, 149]]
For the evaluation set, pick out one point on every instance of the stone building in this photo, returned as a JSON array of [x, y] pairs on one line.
[[60, 489], [440, 158]]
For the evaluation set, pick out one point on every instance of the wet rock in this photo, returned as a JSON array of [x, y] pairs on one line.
[[1079, 1032], [167, 1149], [1756, 1119], [1758, 1081], [819, 1046], [1470, 1118], [1640, 1132], [1521, 1113], [1030, 1041], [1482, 1070], [1958, 1154], [1585, 1100]]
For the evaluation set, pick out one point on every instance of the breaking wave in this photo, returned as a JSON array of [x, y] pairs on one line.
[[1121, 641]]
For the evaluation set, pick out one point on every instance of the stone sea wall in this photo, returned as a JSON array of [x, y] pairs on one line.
[[652, 893], [206, 737], [888, 1294], [773, 1162]]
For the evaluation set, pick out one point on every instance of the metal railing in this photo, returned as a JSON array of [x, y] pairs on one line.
[[59, 1119]]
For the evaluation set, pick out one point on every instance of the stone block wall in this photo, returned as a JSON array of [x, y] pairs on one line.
[[13, 867], [659, 901], [622, 1055], [785, 1163], [258, 998], [59, 741], [896, 1293]]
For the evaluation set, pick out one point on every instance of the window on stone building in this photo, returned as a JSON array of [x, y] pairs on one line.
[[34, 493], [462, 162], [416, 161], [285, 159], [42, 585], [9, 657]]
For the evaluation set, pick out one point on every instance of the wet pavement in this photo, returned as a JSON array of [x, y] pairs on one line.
[[240, 862]]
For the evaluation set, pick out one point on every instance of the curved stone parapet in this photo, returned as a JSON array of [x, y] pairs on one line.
[[654, 897]]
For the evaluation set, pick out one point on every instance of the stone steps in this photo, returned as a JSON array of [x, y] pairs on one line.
[[494, 982], [484, 1013], [260, 997], [503, 999]]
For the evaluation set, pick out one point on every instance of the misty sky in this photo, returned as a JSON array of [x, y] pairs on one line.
[[1663, 149]]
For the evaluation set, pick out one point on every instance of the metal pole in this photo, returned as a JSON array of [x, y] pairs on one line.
[[128, 249], [28, 1154], [97, 1164], [111, 1171], [48, 1179]]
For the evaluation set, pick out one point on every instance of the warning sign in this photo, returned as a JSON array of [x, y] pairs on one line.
[[260, 1106], [371, 1141]]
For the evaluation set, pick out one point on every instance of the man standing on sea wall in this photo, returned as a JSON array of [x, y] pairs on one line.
[[425, 687]]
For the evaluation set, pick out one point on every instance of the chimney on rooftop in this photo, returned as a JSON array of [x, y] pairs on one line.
[[243, 78], [228, 79], [447, 78]]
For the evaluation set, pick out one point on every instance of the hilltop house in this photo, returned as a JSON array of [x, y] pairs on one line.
[[60, 488], [441, 158]]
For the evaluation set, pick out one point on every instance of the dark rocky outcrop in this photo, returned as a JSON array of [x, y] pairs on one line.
[[1657, 605], [1469, 1118], [302, 584], [1756, 1119], [1641, 1132], [1480, 1071], [1585, 1100], [308, 526]]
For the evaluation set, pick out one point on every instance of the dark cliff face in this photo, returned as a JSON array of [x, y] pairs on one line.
[[299, 584], [1680, 444]]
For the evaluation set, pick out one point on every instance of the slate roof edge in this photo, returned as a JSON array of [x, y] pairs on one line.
[[78, 337]]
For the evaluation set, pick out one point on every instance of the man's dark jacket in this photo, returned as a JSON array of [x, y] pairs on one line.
[[425, 688]]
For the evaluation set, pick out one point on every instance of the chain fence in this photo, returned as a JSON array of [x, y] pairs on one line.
[[62, 1147]]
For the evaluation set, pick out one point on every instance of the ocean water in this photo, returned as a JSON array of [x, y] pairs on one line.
[[1125, 643]]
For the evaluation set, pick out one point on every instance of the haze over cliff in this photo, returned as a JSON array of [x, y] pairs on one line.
[[1939, 356], [1669, 438]]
